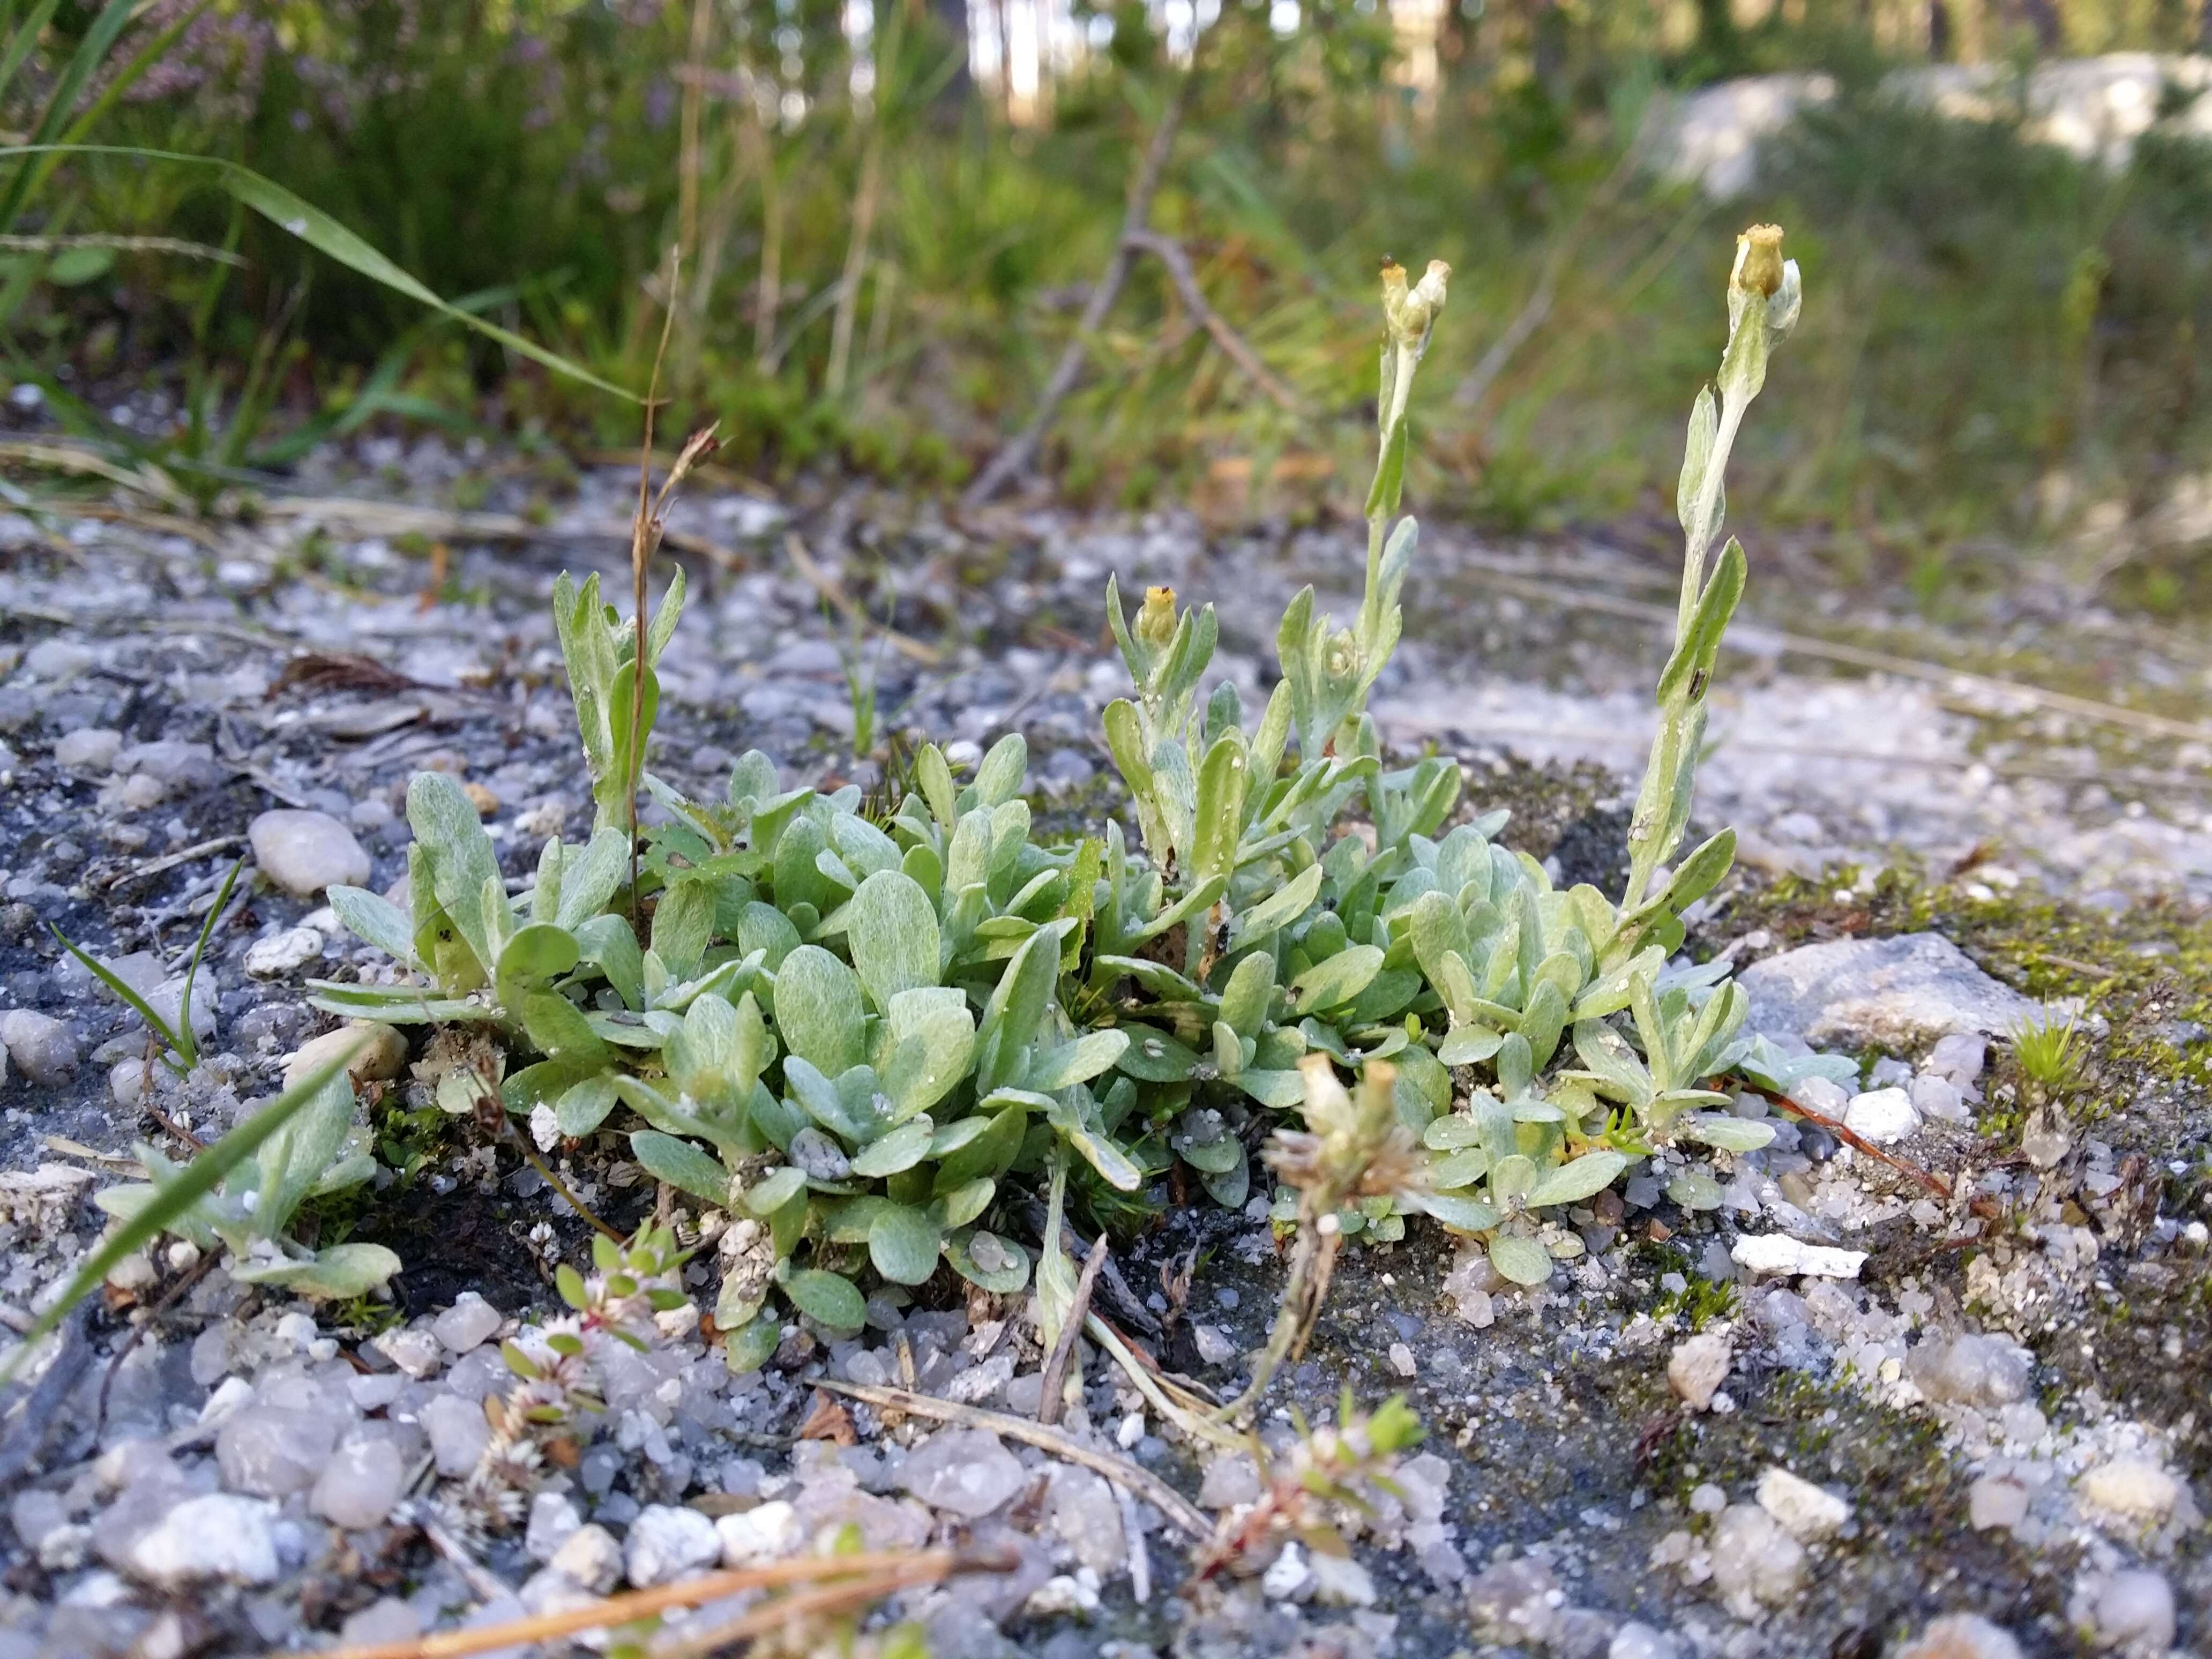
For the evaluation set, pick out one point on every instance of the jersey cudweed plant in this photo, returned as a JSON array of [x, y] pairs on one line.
[[860, 1032]]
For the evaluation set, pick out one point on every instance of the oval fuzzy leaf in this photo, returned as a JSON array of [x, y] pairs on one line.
[[1108, 1159], [752, 1345], [681, 1164], [1513, 1176], [897, 1149], [818, 1009], [1468, 1045], [774, 1189], [1523, 1261], [1735, 1134], [965, 1202], [1571, 1183], [1693, 1189], [1006, 1279], [585, 1106], [1078, 1061], [375, 920], [1460, 1214], [1337, 979], [1459, 1167], [539, 953], [1153, 1056], [892, 929], [1231, 1189], [828, 1298], [1284, 1090], [339, 1273], [902, 1242]]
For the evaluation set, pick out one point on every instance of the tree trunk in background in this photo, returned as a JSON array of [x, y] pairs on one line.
[[2043, 17], [952, 17], [1938, 30]]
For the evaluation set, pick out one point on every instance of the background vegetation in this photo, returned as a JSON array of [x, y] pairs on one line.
[[884, 253]]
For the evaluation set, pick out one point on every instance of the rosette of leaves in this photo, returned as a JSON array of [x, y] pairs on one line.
[[319, 1149], [852, 1027]]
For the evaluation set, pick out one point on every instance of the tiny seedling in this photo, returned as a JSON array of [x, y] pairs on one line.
[[2046, 1051], [176, 1200], [180, 1042]]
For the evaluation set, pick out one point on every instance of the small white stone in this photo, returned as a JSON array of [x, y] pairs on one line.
[[359, 1485], [43, 1047], [1706, 1499], [760, 1533], [666, 1543], [1997, 1504], [2137, 1488], [1882, 1115], [1340, 1582], [591, 1558], [215, 1536], [1697, 1367], [134, 1275], [1961, 1636], [379, 1060], [1634, 1640], [458, 1433], [553, 1521], [89, 749], [1286, 1575], [470, 1322], [296, 1330], [303, 852], [282, 953], [1214, 1347], [2133, 1610], [1804, 1509], [1778, 1252], [385, 1619], [415, 1350], [127, 1083], [1401, 1359], [1754, 1561], [1230, 1480], [1130, 1431], [1939, 1097]]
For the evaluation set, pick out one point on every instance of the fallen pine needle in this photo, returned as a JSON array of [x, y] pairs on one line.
[[1122, 1472]]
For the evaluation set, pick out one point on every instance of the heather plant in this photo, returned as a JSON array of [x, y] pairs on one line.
[[857, 1031]]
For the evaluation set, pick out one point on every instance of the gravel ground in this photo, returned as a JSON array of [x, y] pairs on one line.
[[1698, 1439]]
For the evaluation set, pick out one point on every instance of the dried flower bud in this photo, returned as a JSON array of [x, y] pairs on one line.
[[1758, 261], [1411, 312], [1155, 619]]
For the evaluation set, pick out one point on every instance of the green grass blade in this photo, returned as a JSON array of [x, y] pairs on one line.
[[91, 52], [20, 44], [107, 976], [188, 1044], [328, 237], [194, 1182]]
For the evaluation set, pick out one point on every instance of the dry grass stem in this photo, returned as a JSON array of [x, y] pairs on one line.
[[828, 587], [1122, 1472], [903, 1567]]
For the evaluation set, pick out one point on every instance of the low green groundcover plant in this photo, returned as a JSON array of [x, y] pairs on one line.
[[859, 1029]]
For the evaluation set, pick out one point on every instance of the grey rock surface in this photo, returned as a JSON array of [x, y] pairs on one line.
[[1900, 992]]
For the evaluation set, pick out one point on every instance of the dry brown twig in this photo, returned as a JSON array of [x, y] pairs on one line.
[[1013, 457], [1054, 1377], [1170, 255]]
